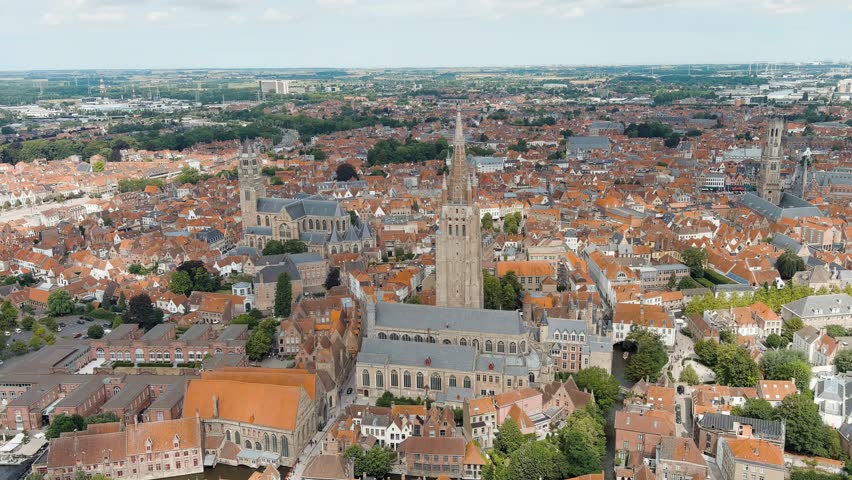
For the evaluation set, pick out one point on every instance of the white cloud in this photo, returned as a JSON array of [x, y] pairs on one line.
[[273, 15]]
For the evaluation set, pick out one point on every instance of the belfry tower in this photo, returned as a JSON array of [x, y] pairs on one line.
[[769, 184], [252, 184], [459, 243]]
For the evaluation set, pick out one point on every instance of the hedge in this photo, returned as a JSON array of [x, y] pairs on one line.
[[717, 278], [705, 282]]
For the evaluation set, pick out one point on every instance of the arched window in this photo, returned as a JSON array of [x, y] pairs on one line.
[[394, 378], [324, 226], [267, 220], [365, 378], [178, 354], [256, 445], [275, 443], [116, 391], [523, 347], [383, 336], [466, 383], [430, 339], [380, 380], [285, 447], [489, 347], [513, 348], [420, 382], [501, 347], [418, 338], [447, 341], [99, 353], [258, 221], [394, 336], [463, 342], [452, 381], [405, 337], [237, 438], [228, 435], [406, 379], [475, 344], [266, 444], [435, 382], [311, 224]]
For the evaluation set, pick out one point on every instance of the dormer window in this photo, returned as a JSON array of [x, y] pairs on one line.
[[149, 445], [176, 442]]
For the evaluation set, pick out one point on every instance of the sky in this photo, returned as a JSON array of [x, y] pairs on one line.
[[101, 34]]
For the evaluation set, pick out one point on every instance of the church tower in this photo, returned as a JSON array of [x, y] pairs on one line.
[[459, 243], [769, 185], [252, 184]]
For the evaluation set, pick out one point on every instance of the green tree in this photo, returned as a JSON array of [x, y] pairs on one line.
[[508, 297], [786, 364], [598, 381], [843, 360], [35, 343], [28, 323], [283, 295], [492, 291], [755, 408], [512, 223], [735, 367], [791, 326], [805, 431], [8, 315], [104, 417], [273, 247], [95, 331], [835, 331], [18, 348], [245, 319], [259, 344], [377, 462], [59, 303], [589, 423], [581, 457], [649, 358], [689, 376], [180, 283], [773, 340], [65, 423], [695, 259], [535, 460], [294, 246], [788, 264], [141, 311], [487, 222], [98, 166], [509, 438], [333, 278], [345, 172]]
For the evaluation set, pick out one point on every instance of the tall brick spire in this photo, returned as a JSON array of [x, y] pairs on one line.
[[458, 186]]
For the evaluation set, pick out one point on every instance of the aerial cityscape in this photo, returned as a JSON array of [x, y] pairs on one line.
[[477, 259]]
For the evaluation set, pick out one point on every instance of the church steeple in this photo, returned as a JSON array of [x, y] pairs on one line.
[[458, 186]]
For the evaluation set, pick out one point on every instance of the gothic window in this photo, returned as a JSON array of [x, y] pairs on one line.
[[311, 224], [258, 220], [324, 226], [285, 447], [475, 344], [267, 220], [464, 229], [435, 382], [237, 438], [365, 378], [380, 380], [274, 443], [418, 339], [447, 341], [394, 378], [355, 248], [513, 348], [466, 383], [266, 441], [383, 336], [489, 347], [228, 435], [393, 336], [256, 445], [501, 347], [406, 380], [420, 381], [406, 337], [463, 342], [452, 381], [523, 347]]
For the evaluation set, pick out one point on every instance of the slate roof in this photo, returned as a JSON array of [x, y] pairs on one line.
[[790, 206], [423, 317], [806, 307], [761, 428], [396, 352]]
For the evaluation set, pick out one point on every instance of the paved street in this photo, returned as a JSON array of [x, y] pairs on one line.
[[315, 448]]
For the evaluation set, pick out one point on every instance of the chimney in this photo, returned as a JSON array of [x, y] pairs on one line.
[[215, 406]]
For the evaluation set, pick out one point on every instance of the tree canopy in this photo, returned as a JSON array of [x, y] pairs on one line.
[[788, 264], [648, 358]]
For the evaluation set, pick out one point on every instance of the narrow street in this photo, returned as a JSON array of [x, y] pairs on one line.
[[315, 448]]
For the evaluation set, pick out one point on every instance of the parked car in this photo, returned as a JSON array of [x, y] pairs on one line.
[[106, 324], [80, 322], [78, 334], [17, 330], [62, 324], [8, 333]]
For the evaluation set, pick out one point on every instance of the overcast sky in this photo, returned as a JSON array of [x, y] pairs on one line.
[[51, 34]]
